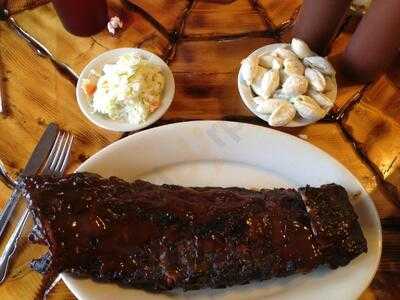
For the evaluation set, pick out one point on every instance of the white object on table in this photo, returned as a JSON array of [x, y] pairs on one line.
[[111, 57], [217, 153], [247, 95]]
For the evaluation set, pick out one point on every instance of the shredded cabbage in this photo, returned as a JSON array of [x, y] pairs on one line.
[[129, 90]]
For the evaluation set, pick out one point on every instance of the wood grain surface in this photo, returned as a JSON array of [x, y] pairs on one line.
[[204, 42]]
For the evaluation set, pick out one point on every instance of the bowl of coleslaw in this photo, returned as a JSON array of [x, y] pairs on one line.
[[125, 89]]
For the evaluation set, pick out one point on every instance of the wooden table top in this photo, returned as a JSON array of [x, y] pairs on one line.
[[203, 42]]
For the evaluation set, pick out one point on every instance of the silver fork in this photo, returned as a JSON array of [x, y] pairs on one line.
[[54, 166]]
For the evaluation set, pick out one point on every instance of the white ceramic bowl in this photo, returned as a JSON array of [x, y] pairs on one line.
[[110, 57], [247, 94]]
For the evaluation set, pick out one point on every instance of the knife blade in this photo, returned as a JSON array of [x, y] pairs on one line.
[[38, 157], [41, 151]]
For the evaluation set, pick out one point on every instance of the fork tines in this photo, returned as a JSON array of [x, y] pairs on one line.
[[59, 155]]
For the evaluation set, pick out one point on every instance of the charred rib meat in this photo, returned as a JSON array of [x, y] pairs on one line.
[[163, 237]]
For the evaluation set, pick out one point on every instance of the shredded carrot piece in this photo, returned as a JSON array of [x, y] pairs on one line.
[[89, 88]]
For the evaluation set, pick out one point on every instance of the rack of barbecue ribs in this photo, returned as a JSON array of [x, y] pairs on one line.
[[161, 237]]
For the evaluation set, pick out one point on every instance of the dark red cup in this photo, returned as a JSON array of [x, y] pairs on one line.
[[82, 17]]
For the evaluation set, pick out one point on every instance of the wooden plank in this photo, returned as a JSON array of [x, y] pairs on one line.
[[374, 123], [280, 12], [206, 96], [384, 96], [223, 18], [157, 9], [206, 78], [15, 6]]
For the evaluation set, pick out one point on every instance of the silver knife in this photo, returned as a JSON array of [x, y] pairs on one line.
[[38, 157], [37, 46]]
